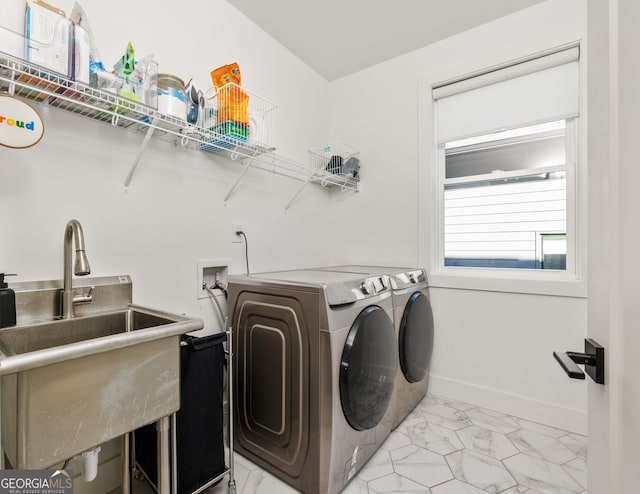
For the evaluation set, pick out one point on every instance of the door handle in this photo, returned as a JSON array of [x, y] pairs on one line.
[[592, 359]]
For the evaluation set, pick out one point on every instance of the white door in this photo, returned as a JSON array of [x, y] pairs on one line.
[[613, 94]]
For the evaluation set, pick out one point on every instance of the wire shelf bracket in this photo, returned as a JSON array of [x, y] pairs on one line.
[[298, 192], [235, 185], [136, 160]]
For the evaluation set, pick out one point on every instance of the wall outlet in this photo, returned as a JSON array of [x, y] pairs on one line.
[[207, 271], [236, 239]]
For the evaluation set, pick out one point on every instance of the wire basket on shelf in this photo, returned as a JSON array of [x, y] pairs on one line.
[[235, 117], [337, 159]]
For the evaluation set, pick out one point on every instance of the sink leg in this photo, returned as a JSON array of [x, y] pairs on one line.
[[174, 454], [126, 464], [1, 448], [164, 480]]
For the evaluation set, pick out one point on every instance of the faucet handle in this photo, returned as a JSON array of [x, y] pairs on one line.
[[84, 295]]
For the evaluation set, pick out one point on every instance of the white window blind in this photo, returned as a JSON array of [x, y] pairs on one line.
[[542, 89]]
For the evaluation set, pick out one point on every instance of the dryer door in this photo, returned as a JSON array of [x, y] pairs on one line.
[[415, 343], [368, 368]]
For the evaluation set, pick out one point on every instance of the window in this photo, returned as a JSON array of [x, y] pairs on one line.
[[505, 198], [506, 169]]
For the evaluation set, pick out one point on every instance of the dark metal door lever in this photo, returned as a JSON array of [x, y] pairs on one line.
[[592, 359]]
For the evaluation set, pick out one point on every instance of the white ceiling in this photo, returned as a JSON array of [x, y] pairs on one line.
[[339, 37]]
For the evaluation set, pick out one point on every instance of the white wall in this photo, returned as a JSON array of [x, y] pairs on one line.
[[174, 212], [492, 348]]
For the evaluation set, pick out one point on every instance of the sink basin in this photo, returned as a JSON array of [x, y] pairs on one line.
[[69, 385], [20, 340]]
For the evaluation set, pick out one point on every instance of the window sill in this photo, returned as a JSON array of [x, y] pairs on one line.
[[511, 281]]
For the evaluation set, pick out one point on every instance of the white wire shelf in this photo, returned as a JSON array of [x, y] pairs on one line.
[[32, 83]]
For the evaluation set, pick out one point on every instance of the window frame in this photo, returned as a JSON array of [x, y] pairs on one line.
[[571, 282]]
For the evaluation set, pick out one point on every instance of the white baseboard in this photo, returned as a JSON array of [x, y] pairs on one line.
[[542, 412]]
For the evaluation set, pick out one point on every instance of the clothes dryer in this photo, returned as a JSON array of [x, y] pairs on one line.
[[315, 366], [413, 321]]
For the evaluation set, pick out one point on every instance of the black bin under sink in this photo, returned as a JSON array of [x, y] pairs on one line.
[[199, 422]]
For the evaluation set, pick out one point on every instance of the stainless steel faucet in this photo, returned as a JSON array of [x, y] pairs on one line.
[[73, 232]]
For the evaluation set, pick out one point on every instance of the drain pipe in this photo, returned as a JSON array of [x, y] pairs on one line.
[[89, 464]]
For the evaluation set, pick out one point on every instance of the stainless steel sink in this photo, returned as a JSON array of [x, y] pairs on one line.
[[69, 385], [25, 339]]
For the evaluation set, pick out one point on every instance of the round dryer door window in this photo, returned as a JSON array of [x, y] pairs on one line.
[[368, 368], [415, 342]]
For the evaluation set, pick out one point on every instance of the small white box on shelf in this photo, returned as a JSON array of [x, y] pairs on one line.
[[335, 158], [81, 54], [49, 37]]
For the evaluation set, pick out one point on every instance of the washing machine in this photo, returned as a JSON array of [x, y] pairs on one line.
[[413, 321], [315, 367]]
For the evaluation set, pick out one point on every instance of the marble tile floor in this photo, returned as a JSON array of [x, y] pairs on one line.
[[448, 447]]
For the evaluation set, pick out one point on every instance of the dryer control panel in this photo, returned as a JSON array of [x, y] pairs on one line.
[[410, 278]]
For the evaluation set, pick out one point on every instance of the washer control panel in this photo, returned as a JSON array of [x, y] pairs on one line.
[[345, 293], [374, 285]]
